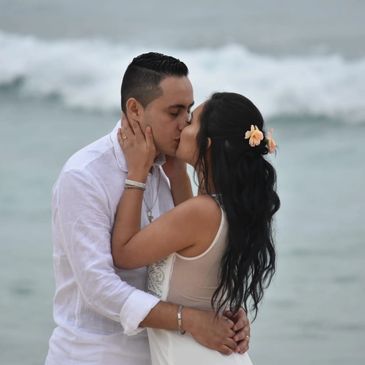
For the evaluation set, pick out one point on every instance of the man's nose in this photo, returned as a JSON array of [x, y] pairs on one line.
[[184, 121]]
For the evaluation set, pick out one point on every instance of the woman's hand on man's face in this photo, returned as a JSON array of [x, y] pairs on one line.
[[138, 148]]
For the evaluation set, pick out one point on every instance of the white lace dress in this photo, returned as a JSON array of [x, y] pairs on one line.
[[189, 281]]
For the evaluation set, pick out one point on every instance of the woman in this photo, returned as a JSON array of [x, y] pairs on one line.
[[215, 249]]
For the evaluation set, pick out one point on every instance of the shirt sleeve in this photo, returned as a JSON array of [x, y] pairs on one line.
[[81, 217]]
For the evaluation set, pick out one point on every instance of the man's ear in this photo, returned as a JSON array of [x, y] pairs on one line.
[[134, 109]]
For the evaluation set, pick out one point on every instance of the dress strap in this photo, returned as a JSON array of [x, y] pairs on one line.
[[218, 199]]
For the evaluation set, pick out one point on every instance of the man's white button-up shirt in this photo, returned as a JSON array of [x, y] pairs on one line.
[[96, 306]]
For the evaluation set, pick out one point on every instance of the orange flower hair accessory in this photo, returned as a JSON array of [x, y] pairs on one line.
[[271, 144], [254, 136]]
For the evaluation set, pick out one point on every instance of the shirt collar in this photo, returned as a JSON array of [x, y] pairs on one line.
[[159, 161], [118, 153]]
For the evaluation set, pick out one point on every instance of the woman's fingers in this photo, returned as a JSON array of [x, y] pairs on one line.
[[149, 138], [125, 121], [120, 136], [127, 131], [137, 130], [134, 133]]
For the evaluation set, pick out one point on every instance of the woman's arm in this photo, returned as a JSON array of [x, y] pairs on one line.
[[139, 151], [174, 231], [179, 179]]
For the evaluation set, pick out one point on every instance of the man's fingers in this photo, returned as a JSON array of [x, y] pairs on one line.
[[240, 319], [225, 350], [231, 344], [243, 339], [239, 325], [230, 333], [247, 330], [240, 336], [243, 346], [228, 322], [228, 314], [243, 332], [227, 327]]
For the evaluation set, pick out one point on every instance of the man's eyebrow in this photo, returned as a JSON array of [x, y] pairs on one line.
[[181, 106]]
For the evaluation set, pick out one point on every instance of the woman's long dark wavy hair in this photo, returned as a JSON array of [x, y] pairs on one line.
[[246, 185]]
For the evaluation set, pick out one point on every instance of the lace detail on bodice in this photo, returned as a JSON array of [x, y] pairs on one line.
[[159, 275], [156, 277]]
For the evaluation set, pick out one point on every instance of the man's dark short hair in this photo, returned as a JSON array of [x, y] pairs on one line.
[[144, 74]]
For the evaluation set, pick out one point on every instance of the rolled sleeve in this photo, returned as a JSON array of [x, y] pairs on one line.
[[135, 310]]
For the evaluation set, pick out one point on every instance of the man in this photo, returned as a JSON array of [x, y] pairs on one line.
[[96, 306]]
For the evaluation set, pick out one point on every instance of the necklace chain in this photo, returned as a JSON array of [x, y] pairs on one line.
[[154, 200]]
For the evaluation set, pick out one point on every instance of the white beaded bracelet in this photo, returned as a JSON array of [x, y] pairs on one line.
[[136, 184]]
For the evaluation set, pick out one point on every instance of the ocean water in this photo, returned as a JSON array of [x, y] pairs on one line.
[[302, 63]]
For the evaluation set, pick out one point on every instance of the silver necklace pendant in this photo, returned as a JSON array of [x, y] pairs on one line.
[[149, 215], [149, 208]]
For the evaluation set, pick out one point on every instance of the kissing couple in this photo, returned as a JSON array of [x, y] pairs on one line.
[[135, 250]]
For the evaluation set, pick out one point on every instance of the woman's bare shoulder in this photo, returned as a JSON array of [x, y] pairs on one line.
[[200, 211], [202, 217], [201, 204]]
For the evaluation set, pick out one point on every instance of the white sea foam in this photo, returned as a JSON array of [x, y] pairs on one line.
[[87, 74]]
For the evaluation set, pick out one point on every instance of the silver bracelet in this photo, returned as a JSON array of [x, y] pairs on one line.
[[179, 319], [132, 187], [136, 184]]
